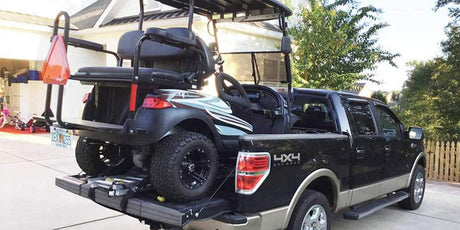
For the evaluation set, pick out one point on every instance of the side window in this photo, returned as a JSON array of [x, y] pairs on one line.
[[362, 117], [390, 125]]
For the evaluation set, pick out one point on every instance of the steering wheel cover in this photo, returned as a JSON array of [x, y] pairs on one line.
[[243, 99]]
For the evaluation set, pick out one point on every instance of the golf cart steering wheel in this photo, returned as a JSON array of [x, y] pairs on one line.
[[224, 91]]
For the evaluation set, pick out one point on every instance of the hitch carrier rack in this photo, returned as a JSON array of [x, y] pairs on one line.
[[143, 205]]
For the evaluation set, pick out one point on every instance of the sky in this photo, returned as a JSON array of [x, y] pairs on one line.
[[44, 8], [415, 30]]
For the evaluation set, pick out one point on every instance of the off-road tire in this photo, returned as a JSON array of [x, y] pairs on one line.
[[167, 161], [89, 160], [306, 201], [410, 203]]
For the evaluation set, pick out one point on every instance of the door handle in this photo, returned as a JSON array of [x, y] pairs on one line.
[[360, 153], [387, 149]]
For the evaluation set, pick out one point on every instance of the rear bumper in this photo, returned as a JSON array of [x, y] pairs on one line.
[[120, 138], [147, 127], [127, 134], [270, 219]]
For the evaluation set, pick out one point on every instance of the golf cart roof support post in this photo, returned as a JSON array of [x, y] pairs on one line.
[[190, 14], [216, 41], [141, 14], [287, 59], [61, 87], [135, 78]]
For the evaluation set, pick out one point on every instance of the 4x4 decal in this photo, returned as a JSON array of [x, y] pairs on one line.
[[286, 159]]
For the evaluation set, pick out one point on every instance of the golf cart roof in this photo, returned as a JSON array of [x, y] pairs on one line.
[[239, 10]]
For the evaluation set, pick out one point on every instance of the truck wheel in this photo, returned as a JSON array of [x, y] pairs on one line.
[[184, 166], [311, 212], [95, 158], [416, 190]]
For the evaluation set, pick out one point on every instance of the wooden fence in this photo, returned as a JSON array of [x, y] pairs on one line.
[[443, 160]]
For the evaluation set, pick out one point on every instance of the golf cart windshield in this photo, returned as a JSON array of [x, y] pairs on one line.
[[264, 68]]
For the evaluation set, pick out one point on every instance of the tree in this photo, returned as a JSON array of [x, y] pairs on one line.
[[454, 12], [336, 42], [379, 95], [416, 107], [430, 97]]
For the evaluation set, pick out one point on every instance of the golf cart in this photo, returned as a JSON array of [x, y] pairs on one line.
[[154, 117]]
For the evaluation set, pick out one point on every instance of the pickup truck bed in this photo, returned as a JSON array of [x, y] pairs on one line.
[[145, 206]]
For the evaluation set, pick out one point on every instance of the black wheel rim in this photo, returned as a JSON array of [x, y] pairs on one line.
[[111, 155], [194, 169]]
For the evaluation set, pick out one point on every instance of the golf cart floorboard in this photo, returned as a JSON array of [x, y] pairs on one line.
[[145, 206]]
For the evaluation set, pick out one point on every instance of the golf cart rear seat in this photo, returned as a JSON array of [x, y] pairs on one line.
[[170, 46], [169, 58]]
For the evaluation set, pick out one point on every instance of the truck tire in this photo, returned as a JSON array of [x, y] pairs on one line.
[[96, 159], [416, 190], [311, 212], [184, 166]]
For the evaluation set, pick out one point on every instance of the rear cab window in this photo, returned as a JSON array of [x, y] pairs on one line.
[[313, 113]]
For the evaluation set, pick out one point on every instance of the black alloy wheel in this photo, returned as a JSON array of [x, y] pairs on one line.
[[195, 168]]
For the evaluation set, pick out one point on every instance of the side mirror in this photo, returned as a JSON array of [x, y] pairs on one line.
[[286, 45], [415, 133]]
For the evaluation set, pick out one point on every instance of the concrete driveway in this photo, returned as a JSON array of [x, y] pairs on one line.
[[30, 200]]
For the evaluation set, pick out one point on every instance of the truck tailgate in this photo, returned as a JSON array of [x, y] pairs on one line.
[[145, 206]]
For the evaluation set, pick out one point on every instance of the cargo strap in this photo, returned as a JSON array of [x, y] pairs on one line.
[[215, 192], [139, 187]]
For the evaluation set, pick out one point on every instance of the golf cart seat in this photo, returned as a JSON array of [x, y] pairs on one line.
[[176, 58]]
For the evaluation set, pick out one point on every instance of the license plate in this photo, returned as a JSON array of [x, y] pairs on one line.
[[61, 137]]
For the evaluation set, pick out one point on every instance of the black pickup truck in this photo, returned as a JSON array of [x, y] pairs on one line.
[[156, 147], [348, 152]]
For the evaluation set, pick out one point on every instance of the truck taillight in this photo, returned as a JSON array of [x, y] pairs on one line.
[[251, 171], [153, 102]]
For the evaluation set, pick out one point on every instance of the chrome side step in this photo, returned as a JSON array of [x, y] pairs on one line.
[[356, 213]]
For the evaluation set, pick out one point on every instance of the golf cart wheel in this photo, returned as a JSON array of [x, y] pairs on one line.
[[100, 158], [416, 190], [184, 166], [311, 212]]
